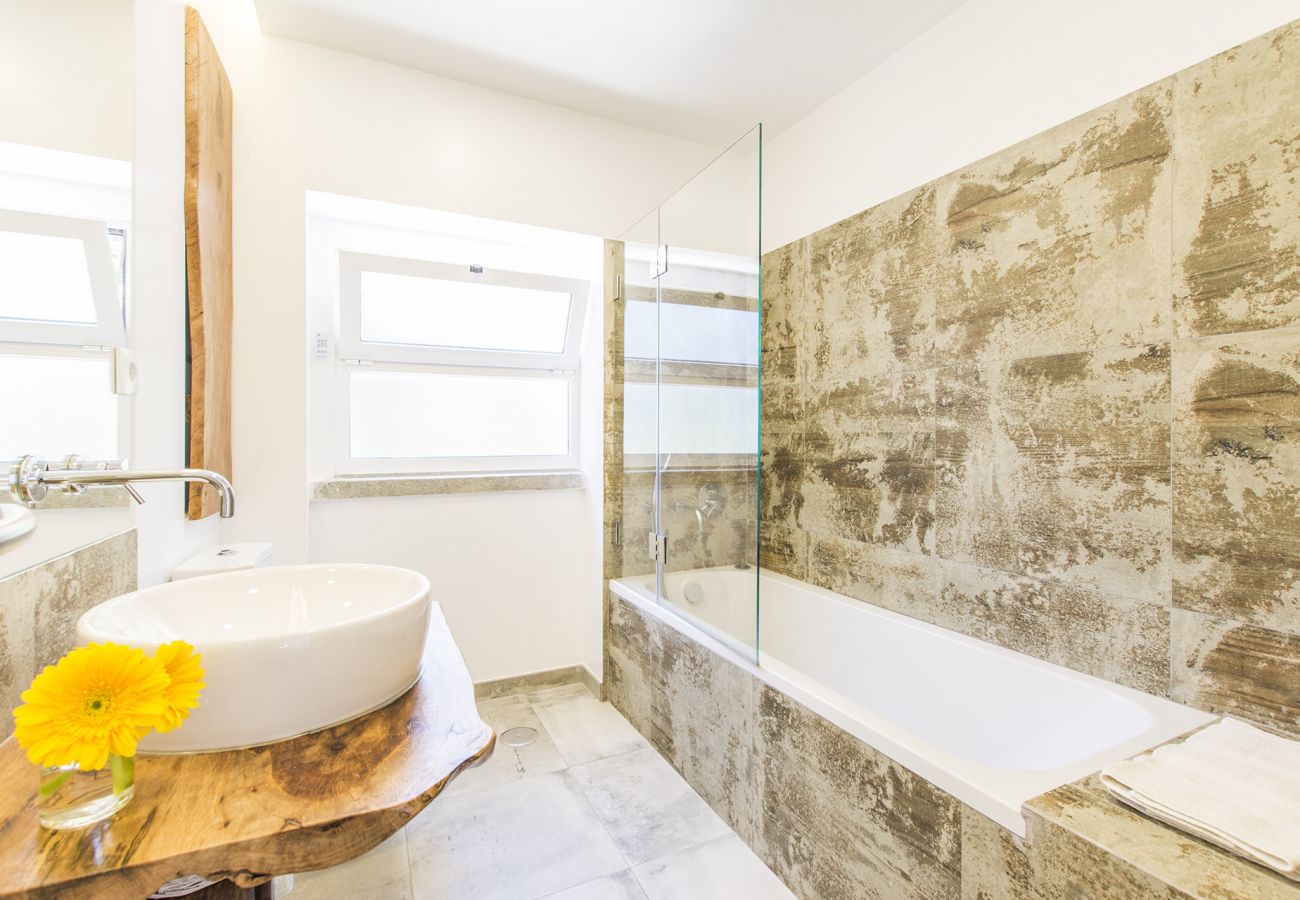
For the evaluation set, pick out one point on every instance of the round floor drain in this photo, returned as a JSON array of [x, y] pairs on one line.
[[518, 737]]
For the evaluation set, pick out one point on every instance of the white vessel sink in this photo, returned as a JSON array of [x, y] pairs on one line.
[[286, 649]]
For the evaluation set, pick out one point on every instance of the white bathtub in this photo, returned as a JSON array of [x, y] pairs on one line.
[[990, 726]]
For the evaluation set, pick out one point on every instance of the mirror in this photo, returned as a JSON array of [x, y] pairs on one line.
[[66, 134]]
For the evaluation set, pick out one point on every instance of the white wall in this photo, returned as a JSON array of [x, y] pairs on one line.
[[518, 574], [159, 316], [66, 70], [991, 74], [307, 118]]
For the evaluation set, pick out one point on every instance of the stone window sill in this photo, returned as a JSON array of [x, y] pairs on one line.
[[358, 487]]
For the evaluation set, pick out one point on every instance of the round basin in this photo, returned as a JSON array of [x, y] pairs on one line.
[[286, 649]]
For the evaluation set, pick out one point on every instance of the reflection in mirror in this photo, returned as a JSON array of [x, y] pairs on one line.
[[65, 235]]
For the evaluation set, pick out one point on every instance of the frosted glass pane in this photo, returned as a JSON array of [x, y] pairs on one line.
[[71, 408], [693, 418], [435, 312], [692, 333], [44, 278], [402, 414]]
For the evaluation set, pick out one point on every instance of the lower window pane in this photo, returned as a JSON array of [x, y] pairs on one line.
[[416, 415], [51, 406], [691, 418]]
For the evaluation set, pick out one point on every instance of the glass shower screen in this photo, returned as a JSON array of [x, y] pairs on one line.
[[691, 382]]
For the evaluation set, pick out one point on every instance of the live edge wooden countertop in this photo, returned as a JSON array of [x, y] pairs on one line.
[[306, 803]]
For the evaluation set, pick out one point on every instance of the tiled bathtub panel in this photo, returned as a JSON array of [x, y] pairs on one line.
[[706, 716], [841, 820], [632, 679], [1236, 237], [1237, 477], [1238, 669], [875, 281], [39, 608], [1061, 243], [1058, 467], [1142, 858], [1116, 638]]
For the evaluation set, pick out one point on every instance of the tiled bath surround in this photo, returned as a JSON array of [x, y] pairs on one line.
[[39, 608], [836, 819], [1052, 400]]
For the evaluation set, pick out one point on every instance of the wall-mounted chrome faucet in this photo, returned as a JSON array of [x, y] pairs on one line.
[[711, 501], [30, 479]]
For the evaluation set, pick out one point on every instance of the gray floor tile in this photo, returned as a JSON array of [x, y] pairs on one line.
[[509, 763], [649, 809], [622, 886], [383, 872], [723, 867], [523, 839], [584, 729]]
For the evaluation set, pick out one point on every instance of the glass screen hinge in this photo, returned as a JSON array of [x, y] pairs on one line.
[[658, 547]]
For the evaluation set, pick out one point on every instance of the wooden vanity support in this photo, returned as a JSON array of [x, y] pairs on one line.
[[246, 815]]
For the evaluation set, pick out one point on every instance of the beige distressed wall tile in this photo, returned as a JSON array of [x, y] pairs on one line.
[[1237, 477], [1116, 638], [1058, 467], [783, 550], [40, 606], [875, 280], [1236, 240], [786, 310], [894, 579], [1061, 243], [612, 411], [841, 820], [869, 460], [1237, 669]]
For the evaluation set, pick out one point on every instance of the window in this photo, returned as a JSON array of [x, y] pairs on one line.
[[61, 311], [448, 368], [59, 281], [704, 404]]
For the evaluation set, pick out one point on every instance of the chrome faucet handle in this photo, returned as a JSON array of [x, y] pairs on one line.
[[25, 480]]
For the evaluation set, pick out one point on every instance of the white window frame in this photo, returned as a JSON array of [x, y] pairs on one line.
[[351, 265], [355, 355], [109, 329]]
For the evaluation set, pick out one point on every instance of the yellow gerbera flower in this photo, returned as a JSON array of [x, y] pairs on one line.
[[98, 700], [184, 667]]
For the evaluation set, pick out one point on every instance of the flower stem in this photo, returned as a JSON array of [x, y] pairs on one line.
[[50, 786], [123, 769]]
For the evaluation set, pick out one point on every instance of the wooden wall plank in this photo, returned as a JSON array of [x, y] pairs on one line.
[[209, 284]]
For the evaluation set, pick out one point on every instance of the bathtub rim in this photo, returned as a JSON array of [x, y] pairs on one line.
[[946, 771]]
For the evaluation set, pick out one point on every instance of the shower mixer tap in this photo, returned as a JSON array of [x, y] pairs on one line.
[[711, 502]]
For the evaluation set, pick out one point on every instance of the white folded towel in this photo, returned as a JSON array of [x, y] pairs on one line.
[[1230, 783]]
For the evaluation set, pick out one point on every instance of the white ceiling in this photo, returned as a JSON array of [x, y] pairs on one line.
[[700, 69]]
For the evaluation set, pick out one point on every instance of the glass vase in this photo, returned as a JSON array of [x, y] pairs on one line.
[[70, 798]]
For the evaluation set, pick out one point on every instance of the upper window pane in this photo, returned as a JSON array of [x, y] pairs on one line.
[[45, 278], [436, 312]]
